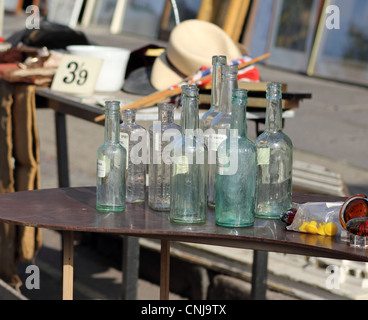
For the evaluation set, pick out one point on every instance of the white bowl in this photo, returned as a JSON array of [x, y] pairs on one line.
[[113, 69]]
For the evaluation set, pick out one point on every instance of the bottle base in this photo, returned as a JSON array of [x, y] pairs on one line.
[[234, 225], [105, 208], [268, 216], [135, 200], [180, 221]]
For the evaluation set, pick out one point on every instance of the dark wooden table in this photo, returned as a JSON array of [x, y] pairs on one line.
[[73, 209]]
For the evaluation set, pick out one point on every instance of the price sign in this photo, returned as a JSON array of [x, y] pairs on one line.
[[77, 74]]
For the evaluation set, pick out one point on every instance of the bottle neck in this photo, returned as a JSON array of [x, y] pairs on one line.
[[239, 113], [166, 112], [128, 116], [274, 108], [229, 83], [112, 128], [217, 63], [190, 114]]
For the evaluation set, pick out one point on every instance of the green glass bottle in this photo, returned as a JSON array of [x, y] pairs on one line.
[[188, 180], [220, 125], [236, 178], [111, 164], [275, 161]]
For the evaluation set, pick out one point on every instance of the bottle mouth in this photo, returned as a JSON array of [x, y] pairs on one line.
[[190, 91], [274, 91], [112, 105]]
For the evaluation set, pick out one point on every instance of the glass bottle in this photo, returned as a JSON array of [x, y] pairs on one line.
[[133, 138], [275, 161], [188, 183], [217, 63], [236, 179], [220, 125], [162, 134], [111, 164]]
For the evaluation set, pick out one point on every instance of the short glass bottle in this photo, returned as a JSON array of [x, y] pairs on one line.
[[111, 164], [220, 125], [275, 161], [133, 138], [217, 63], [162, 134], [236, 179], [188, 183]]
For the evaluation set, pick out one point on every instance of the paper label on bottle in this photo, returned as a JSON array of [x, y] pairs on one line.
[[181, 165], [117, 160], [215, 140], [263, 156], [223, 166], [124, 141], [157, 142], [101, 168]]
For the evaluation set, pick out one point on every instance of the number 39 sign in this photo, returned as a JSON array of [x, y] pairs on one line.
[[77, 74]]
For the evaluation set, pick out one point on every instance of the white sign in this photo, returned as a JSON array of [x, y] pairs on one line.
[[77, 74]]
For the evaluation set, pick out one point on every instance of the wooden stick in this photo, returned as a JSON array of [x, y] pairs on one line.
[[156, 97]]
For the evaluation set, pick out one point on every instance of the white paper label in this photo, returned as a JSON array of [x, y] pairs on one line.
[[124, 141], [77, 74], [181, 165], [263, 156], [215, 140], [101, 168]]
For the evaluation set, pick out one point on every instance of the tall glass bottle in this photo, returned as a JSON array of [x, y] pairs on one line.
[[133, 138], [220, 125], [275, 161], [217, 63], [188, 183], [111, 164], [162, 134], [236, 179]]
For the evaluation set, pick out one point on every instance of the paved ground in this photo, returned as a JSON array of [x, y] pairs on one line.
[[330, 130]]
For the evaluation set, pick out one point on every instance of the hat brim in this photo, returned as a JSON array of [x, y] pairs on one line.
[[138, 82]]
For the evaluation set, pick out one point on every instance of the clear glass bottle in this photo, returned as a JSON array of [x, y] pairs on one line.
[[133, 138], [162, 135], [220, 125], [275, 161], [188, 183], [111, 164], [236, 179], [217, 63]]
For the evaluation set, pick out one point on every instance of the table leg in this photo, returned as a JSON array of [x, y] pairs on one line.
[[259, 275], [165, 270], [68, 259], [130, 267], [62, 150]]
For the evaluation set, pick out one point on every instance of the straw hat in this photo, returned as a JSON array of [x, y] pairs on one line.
[[191, 45]]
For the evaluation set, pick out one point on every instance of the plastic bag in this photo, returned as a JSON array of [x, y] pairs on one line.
[[321, 218]]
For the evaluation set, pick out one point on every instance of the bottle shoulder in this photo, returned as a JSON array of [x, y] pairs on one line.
[[111, 148], [242, 144], [131, 128], [277, 138]]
